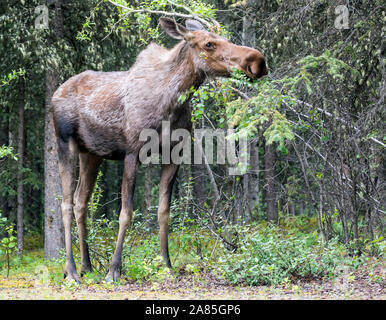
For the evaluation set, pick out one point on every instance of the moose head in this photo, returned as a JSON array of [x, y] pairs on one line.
[[216, 55]]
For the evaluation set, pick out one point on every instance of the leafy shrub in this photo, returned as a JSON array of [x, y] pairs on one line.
[[299, 225], [33, 240], [268, 257], [140, 261], [7, 241]]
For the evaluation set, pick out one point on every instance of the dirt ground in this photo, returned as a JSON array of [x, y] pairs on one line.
[[358, 285]]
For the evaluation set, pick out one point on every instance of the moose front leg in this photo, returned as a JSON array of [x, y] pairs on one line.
[[168, 176], [126, 214]]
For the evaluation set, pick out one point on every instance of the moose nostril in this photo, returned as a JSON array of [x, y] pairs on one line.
[[253, 68]]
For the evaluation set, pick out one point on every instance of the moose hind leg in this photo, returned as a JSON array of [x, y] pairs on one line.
[[168, 176], [125, 216], [67, 163], [88, 172]]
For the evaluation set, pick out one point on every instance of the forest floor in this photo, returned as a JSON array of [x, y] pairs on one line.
[[365, 283]]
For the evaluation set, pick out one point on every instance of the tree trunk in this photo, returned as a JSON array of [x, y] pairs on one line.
[[270, 195], [11, 201], [320, 216], [53, 224], [4, 140], [250, 180], [253, 186], [199, 175], [20, 151], [301, 207], [199, 183], [248, 36]]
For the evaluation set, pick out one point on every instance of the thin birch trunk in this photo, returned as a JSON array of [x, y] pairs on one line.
[[20, 152]]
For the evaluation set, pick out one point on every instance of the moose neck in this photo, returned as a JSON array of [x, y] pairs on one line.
[[184, 72]]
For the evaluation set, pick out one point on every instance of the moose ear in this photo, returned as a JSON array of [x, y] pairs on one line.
[[193, 25], [173, 28]]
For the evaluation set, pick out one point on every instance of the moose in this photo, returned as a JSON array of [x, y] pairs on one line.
[[100, 115]]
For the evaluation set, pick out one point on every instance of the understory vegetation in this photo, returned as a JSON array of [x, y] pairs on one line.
[[266, 255]]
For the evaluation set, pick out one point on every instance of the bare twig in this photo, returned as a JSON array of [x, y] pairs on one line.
[[165, 13]]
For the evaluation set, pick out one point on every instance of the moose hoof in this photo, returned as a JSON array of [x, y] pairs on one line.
[[85, 270], [113, 275], [71, 276]]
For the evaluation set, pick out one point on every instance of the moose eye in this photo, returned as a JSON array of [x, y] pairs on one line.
[[208, 45]]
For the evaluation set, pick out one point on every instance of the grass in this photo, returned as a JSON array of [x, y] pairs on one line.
[[29, 279], [267, 258]]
